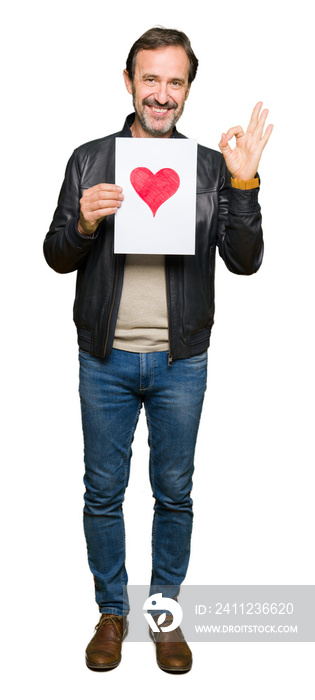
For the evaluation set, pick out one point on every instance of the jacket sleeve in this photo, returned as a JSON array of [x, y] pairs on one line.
[[240, 236], [64, 248]]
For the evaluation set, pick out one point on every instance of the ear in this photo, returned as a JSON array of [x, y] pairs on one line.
[[128, 82]]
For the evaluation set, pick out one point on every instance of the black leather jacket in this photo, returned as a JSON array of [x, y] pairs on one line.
[[225, 217]]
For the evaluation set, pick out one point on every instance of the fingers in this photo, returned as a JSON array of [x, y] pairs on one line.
[[257, 123], [265, 138], [96, 203], [255, 126], [224, 146], [243, 160], [254, 118], [258, 132], [236, 131], [101, 193], [102, 187]]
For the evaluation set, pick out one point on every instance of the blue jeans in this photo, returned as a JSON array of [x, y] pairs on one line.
[[112, 392]]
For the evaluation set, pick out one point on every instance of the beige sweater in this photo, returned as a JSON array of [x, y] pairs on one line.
[[142, 324]]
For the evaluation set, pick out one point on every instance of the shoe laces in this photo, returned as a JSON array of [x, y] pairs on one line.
[[103, 621]]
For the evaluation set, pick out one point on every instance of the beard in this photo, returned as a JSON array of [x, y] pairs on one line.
[[150, 124]]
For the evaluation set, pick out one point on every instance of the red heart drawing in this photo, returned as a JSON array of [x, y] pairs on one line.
[[154, 189]]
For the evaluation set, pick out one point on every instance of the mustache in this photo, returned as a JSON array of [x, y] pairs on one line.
[[154, 103]]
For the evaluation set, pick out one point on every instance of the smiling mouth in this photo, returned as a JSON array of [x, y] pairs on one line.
[[159, 111]]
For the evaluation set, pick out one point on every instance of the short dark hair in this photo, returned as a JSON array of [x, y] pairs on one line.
[[156, 38]]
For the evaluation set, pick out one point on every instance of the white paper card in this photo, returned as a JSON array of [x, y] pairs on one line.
[[158, 213]]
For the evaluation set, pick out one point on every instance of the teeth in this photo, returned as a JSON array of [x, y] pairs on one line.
[[159, 111]]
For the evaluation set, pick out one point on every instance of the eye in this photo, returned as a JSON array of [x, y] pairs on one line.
[[176, 83], [149, 81]]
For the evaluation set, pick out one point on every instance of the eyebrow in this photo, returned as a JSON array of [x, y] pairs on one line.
[[152, 75]]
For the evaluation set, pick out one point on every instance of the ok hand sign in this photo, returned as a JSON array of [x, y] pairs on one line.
[[243, 160]]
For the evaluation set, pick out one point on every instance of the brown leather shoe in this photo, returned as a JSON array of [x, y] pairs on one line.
[[172, 652], [104, 650]]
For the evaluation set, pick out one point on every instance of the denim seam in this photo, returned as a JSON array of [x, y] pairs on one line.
[[152, 485], [130, 443], [123, 581]]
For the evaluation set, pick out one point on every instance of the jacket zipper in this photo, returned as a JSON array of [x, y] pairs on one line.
[[168, 290]]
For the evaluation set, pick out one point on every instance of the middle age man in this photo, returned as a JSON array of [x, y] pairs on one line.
[[144, 325]]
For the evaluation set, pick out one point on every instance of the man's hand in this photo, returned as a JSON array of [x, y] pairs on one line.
[[243, 160], [96, 203]]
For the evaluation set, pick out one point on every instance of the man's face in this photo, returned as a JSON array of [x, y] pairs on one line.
[[159, 89]]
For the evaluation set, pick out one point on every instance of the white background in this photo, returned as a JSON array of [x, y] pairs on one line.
[[253, 492]]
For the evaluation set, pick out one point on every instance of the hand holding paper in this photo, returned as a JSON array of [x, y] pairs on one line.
[[96, 203]]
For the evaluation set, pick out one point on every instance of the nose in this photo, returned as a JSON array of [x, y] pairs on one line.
[[161, 93]]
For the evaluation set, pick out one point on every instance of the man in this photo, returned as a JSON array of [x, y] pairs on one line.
[[143, 327]]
